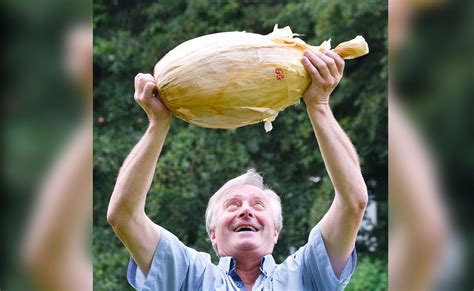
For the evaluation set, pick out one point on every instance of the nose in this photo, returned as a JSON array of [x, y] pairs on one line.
[[245, 211]]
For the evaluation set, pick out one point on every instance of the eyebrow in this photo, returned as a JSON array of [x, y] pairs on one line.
[[231, 198], [238, 196]]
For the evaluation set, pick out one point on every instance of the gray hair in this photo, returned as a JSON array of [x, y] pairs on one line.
[[251, 177]]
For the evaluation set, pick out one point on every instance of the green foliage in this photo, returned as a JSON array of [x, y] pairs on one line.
[[109, 257], [370, 274], [131, 36]]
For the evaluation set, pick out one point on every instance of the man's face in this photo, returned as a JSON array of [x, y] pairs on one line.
[[245, 223]]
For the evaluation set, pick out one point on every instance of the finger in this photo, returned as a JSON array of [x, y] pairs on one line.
[[143, 79], [149, 76], [140, 81], [148, 89], [331, 64], [313, 72], [136, 80], [144, 76], [339, 61], [320, 65]]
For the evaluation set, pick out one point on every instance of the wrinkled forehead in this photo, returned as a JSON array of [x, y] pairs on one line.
[[243, 192]]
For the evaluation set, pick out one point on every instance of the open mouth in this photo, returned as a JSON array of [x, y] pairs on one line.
[[246, 228]]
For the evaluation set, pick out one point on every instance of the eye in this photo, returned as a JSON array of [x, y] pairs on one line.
[[259, 205], [231, 205]]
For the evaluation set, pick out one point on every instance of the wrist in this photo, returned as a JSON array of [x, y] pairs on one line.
[[319, 114], [315, 108], [317, 99], [159, 124]]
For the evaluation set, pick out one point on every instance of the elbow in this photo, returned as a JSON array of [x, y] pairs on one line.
[[113, 215], [116, 211], [360, 199], [119, 217]]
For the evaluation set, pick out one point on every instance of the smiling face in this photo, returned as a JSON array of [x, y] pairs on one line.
[[245, 223]]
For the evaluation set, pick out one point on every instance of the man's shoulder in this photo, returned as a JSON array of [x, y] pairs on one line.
[[173, 264]]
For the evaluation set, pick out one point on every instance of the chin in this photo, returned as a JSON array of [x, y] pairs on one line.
[[247, 245], [253, 250]]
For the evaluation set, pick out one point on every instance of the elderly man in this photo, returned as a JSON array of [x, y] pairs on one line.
[[243, 218]]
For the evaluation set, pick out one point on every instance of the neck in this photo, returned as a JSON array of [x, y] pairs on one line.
[[248, 271]]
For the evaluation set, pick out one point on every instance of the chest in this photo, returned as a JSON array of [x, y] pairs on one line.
[[277, 281]]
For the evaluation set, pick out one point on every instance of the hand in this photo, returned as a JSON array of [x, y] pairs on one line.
[[326, 71], [147, 96]]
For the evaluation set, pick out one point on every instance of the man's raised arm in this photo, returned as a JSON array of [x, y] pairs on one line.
[[340, 224], [126, 212]]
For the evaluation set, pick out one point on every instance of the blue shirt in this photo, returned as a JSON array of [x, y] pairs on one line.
[[177, 267]]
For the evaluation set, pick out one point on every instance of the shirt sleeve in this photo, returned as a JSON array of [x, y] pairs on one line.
[[317, 271], [174, 267]]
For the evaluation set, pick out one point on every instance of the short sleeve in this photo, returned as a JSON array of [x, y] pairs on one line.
[[174, 267], [316, 262]]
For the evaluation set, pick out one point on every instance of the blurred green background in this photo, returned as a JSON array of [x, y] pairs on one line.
[[41, 106], [131, 36]]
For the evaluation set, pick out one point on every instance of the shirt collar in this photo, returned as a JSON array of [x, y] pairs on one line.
[[267, 264]]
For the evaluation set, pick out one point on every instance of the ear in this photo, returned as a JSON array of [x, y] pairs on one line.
[[275, 236], [213, 237]]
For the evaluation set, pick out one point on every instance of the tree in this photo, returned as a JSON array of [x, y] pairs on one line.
[[130, 37]]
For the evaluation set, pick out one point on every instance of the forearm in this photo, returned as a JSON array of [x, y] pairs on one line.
[[136, 175], [339, 157]]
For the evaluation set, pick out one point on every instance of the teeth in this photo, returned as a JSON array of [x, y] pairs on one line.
[[245, 226]]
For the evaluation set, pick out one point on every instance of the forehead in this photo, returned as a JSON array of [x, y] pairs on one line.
[[244, 192]]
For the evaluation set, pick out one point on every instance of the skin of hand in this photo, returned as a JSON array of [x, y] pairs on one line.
[[147, 96], [326, 71]]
